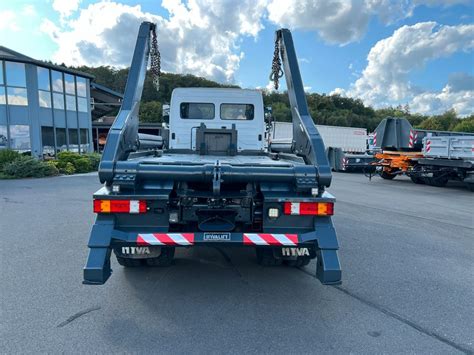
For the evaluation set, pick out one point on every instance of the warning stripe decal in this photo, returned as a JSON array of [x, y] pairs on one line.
[[185, 239], [166, 239], [270, 239]]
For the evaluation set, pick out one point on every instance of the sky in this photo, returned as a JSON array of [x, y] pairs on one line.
[[385, 52]]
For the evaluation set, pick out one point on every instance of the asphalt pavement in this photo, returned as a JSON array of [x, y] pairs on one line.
[[407, 253]]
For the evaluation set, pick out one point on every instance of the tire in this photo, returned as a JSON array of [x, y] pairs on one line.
[[165, 259], [127, 262], [417, 180], [470, 186], [265, 257], [438, 180], [299, 262], [387, 176]]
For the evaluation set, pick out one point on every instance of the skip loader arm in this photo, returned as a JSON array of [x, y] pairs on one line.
[[123, 135], [307, 141]]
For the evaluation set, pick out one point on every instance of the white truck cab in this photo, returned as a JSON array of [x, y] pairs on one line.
[[216, 108]]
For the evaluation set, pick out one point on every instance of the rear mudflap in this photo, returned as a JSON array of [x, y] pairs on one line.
[[321, 242]]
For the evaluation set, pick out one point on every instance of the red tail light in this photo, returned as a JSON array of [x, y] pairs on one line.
[[308, 208], [119, 206]]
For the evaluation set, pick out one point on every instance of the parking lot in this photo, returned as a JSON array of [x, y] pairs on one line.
[[407, 253]]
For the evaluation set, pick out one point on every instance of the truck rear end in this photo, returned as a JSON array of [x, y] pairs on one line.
[[216, 183]]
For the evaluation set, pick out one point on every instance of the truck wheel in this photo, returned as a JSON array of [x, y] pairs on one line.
[[165, 259], [387, 176], [127, 262], [417, 180], [299, 262], [438, 180], [265, 257]]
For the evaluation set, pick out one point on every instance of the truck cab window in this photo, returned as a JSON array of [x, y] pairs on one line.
[[197, 111], [237, 112]]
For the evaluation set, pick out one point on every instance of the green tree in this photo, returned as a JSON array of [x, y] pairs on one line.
[[150, 112], [465, 125]]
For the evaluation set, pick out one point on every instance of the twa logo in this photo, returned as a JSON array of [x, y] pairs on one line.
[[136, 250], [294, 251]]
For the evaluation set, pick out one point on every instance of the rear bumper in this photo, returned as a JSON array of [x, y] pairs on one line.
[[104, 237]]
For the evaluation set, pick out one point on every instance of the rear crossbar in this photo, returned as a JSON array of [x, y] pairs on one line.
[[104, 237]]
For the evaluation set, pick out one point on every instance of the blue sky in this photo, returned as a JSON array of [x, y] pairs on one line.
[[422, 51]]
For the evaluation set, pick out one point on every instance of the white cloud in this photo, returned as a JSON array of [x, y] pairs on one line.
[[385, 79], [336, 21], [344, 21], [8, 21], [66, 7], [200, 37], [436, 103], [29, 10]]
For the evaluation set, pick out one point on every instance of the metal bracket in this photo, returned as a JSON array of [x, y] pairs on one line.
[[216, 181]]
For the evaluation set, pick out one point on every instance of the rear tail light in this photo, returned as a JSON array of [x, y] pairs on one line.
[[308, 208], [119, 206]]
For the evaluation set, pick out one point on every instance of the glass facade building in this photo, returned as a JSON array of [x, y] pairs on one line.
[[44, 109]]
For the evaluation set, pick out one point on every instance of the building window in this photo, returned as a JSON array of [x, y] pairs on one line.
[[57, 78], [3, 137], [81, 86], [84, 140], [44, 98], [1, 73], [61, 139], [70, 85], [15, 74], [17, 96], [43, 79], [73, 140], [20, 138], [16, 84], [70, 103], [47, 138], [2, 87], [58, 101], [82, 104], [44, 92], [2, 95]]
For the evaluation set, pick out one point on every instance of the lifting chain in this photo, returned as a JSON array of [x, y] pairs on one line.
[[155, 60], [276, 73]]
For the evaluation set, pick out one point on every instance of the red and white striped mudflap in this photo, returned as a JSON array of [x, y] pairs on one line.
[[270, 239], [375, 138], [428, 146], [182, 239]]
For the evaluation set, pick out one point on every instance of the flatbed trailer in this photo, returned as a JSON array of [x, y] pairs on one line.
[[439, 158], [213, 181]]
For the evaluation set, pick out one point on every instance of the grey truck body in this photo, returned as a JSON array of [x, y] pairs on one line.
[[213, 180], [346, 147]]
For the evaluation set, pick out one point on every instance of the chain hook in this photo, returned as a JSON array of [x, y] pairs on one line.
[[276, 72], [155, 59]]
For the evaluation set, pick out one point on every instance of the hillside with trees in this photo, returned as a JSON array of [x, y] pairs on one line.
[[325, 109]]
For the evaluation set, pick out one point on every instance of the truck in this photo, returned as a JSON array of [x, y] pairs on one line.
[[214, 181], [347, 148], [427, 157]]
